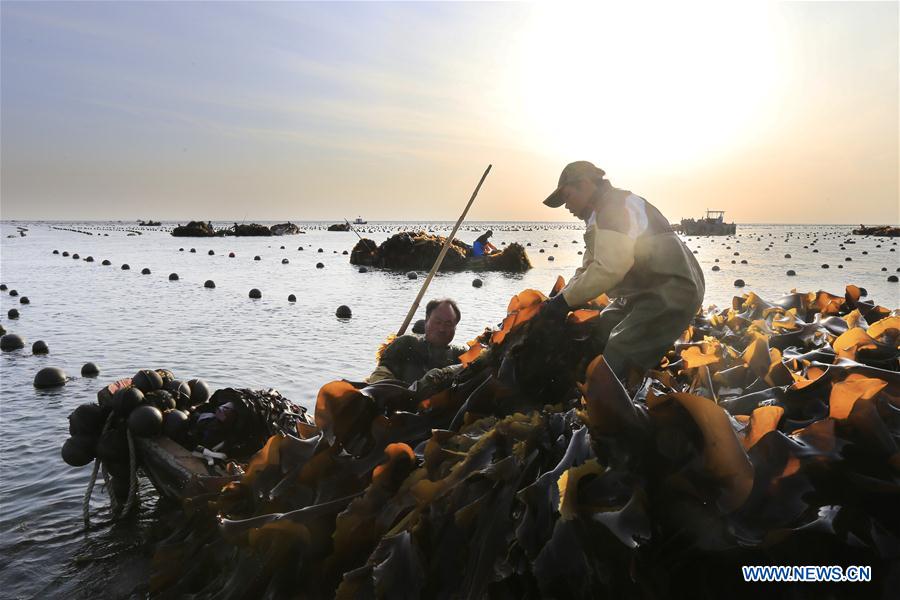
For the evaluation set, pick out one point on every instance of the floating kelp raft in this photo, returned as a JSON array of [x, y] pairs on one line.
[[418, 251], [194, 229], [879, 231], [767, 436], [246, 230], [285, 229]]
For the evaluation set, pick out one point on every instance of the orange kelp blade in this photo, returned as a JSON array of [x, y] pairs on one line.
[[341, 411], [609, 409], [558, 286], [522, 307], [723, 455]]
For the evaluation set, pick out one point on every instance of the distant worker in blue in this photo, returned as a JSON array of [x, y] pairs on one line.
[[482, 246]]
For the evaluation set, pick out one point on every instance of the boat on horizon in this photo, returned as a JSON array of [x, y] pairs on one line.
[[712, 224], [359, 221]]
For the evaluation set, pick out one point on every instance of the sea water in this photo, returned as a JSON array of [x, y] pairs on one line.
[[125, 321]]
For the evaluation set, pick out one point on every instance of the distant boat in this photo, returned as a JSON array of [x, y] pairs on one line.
[[713, 224], [359, 221]]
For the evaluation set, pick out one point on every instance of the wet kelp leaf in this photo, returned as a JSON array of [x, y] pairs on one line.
[[539, 475]]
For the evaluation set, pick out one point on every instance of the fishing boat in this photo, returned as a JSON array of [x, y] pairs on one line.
[[359, 221], [712, 224]]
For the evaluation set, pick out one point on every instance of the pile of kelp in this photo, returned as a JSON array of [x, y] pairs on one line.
[[285, 229], [878, 230], [194, 229], [767, 436], [417, 251], [201, 229]]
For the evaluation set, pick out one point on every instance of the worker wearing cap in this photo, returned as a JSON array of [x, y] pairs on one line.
[[632, 255]]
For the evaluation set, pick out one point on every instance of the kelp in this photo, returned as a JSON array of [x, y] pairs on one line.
[[418, 250], [768, 434]]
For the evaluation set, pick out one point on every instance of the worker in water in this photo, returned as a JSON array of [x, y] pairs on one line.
[[632, 255], [428, 362], [482, 245]]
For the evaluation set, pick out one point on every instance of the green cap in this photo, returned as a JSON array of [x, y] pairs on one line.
[[580, 169]]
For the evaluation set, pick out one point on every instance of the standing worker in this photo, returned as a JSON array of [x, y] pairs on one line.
[[632, 255]]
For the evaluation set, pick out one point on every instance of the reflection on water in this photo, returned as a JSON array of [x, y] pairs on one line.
[[124, 321]]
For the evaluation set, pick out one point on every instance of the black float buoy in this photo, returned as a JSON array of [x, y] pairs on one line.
[[199, 391], [739, 283], [13, 313], [145, 271], [50, 377], [13, 293], [175, 424], [299, 247], [145, 421], [292, 298], [89, 370], [86, 420], [892, 278], [78, 451], [161, 399], [715, 267], [255, 294], [790, 273], [173, 276], [419, 327], [40, 347], [2, 287], [211, 252], [320, 266], [411, 275], [89, 259], [209, 283], [343, 312], [65, 253], [181, 249], [344, 252], [181, 390], [320, 250], [825, 266], [284, 261], [11, 341], [257, 257], [193, 250], [106, 263], [550, 258], [231, 255], [126, 399], [56, 252], [477, 283], [75, 256], [125, 267], [147, 380], [363, 270]]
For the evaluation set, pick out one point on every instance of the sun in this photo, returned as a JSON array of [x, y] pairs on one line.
[[661, 84]]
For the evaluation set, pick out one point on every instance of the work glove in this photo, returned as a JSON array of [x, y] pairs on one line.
[[434, 381], [555, 308]]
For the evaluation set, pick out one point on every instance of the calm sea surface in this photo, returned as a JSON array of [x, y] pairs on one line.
[[124, 321]]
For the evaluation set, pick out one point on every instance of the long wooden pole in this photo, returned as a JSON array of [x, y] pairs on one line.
[[440, 258]]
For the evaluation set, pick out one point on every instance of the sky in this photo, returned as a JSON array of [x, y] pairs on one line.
[[774, 112]]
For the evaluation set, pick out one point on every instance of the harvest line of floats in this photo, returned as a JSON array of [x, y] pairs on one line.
[[768, 434]]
